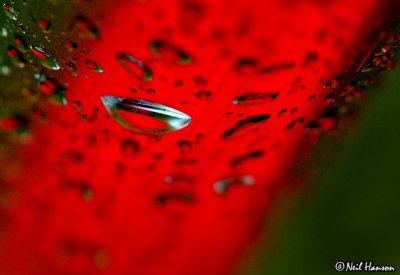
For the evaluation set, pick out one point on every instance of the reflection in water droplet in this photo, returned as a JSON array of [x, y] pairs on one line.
[[93, 66], [124, 111], [255, 98], [132, 64], [10, 11], [169, 51], [45, 59], [222, 186]]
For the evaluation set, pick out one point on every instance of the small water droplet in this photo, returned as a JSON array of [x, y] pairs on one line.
[[71, 46], [185, 146], [20, 43], [93, 66], [168, 51], [86, 26], [255, 98], [202, 94], [10, 11], [72, 69], [132, 64], [221, 186], [250, 155], [16, 57], [144, 117], [247, 123], [45, 25], [52, 87], [182, 196], [129, 147], [45, 59]]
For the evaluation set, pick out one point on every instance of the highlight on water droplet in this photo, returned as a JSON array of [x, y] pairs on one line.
[[221, 186], [134, 66], [45, 59], [10, 11], [255, 98], [93, 66], [144, 117]]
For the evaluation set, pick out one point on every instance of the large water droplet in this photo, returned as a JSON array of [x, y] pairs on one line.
[[221, 186], [255, 98], [134, 66], [145, 117], [45, 59]]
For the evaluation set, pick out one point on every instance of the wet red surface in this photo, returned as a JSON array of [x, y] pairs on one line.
[[94, 197]]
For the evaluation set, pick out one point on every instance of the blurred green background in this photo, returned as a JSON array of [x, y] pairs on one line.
[[351, 212]]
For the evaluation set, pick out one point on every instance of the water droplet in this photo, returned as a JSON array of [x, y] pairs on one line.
[[86, 26], [52, 87], [202, 94], [93, 66], [145, 117], [76, 105], [72, 68], [255, 98], [45, 59], [246, 123], [16, 57], [185, 146], [168, 51], [250, 155], [20, 43], [222, 186], [132, 64], [10, 11], [163, 198], [245, 65], [273, 68], [282, 112], [294, 121], [150, 91], [45, 25], [199, 80], [129, 147], [71, 46]]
